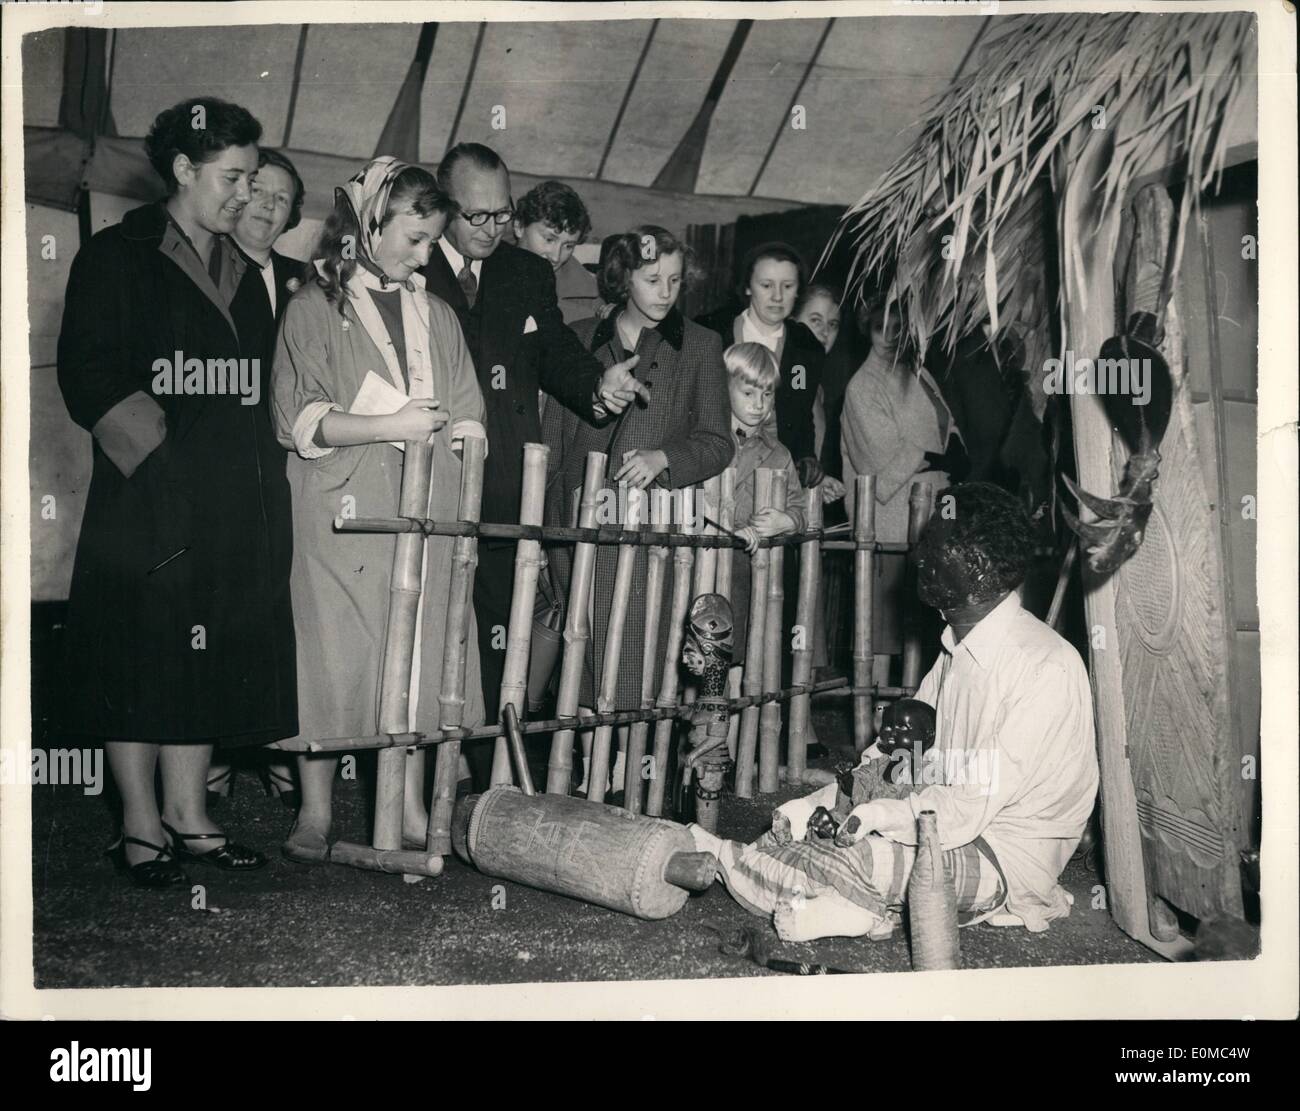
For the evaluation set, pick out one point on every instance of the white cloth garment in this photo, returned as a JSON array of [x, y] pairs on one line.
[[415, 328], [753, 330], [1016, 754]]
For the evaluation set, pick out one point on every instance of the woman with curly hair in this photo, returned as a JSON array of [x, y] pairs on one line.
[[177, 638], [367, 316], [680, 438]]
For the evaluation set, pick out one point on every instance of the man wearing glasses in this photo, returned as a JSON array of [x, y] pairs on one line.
[[506, 301]]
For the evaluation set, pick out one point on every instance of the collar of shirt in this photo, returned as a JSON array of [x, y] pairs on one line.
[[457, 261], [753, 330], [989, 633]]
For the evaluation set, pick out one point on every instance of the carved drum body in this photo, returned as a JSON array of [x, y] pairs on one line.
[[600, 854]]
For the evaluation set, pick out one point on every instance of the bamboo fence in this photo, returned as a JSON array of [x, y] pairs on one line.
[[700, 549]]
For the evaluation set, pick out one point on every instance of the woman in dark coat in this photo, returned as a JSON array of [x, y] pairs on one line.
[[772, 276], [680, 438], [177, 636]]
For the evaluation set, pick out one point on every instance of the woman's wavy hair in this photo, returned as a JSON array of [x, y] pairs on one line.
[[622, 254], [813, 289], [415, 190], [175, 131]]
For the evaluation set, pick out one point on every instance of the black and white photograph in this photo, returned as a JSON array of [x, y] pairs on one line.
[[647, 502]]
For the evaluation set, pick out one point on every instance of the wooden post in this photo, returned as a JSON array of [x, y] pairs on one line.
[[451, 694], [519, 638], [747, 744], [805, 619], [606, 694], [920, 504], [864, 574], [577, 629], [669, 683], [769, 729], [656, 574], [727, 519], [1089, 319], [399, 645]]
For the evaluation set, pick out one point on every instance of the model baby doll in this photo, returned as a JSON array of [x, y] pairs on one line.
[[885, 771]]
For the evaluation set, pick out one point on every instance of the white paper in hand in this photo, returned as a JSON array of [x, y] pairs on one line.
[[378, 398]]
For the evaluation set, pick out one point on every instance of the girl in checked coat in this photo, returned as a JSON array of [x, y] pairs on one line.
[[680, 438]]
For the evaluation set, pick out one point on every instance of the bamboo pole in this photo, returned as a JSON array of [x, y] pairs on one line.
[[864, 568], [706, 498], [607, 693], [451, 692], [519, 638], [404, 862], [669, 683], [399, 646], [769, 728], [577, 629], [920, 504], [656, 574], [727, 519], [805, 619], [752, 680]]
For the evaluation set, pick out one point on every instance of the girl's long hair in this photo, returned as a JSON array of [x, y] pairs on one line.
[[415, 190]]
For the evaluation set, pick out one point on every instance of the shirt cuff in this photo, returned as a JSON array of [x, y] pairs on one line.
[[462, 428], [304, 428], [897, 819]]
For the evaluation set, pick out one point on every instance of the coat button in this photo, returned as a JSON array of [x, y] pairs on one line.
[[520, 409], [654, 366]]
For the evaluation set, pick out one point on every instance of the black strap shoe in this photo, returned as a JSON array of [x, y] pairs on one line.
[[162, 871], [229, 857]]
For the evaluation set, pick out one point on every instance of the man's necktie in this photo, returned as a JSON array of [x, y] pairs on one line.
[[468, 283]]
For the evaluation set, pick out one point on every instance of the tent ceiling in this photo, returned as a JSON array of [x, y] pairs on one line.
[[561, 85]]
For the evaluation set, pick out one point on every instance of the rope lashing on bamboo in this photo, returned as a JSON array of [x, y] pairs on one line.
[[574, 722]]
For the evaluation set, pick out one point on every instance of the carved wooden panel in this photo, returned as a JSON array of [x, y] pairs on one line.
[[1174, 644]]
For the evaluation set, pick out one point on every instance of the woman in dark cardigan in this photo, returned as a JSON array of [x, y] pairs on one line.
[[177, 637], [682, 437], [772, 276]]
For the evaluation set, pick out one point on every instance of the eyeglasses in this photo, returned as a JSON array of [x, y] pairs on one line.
[[478, 219]]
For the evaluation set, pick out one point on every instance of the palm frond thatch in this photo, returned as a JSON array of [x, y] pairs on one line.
[[953, 229]]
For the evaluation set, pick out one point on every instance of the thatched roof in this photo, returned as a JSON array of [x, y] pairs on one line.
[[954, 228]]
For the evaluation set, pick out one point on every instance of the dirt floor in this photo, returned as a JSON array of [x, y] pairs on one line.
[[290, 925]]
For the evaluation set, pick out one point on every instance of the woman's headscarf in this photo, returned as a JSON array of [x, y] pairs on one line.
[[367, 192]]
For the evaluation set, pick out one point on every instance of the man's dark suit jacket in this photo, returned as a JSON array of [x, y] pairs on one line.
[[794, 407], [513, 364]]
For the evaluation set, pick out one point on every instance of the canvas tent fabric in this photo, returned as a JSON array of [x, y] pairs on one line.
[[604, 106], [548, 96]]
